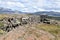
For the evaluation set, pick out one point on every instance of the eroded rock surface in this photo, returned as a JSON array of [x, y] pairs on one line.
[[28, 33]]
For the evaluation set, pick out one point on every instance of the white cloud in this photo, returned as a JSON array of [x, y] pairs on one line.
[[9, 4], [31, 5], [52, 4]]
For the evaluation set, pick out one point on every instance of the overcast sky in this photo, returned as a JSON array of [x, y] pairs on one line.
[[31, 5]]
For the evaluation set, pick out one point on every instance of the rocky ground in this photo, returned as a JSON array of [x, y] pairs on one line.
[[27, 33], [32, 30]]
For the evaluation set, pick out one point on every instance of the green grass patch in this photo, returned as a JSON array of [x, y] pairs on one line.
[[54, 29], [1, 24], [2, 32]]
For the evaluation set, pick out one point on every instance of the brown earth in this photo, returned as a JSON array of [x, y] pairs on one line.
[[27, 33]]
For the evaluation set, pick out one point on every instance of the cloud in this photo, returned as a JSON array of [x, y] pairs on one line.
[[11, 5], [31, 5], [52, 4]]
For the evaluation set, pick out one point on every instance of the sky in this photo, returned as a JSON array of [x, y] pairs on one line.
[[31, 5]]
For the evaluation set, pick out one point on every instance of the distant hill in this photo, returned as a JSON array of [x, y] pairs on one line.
[[6, 10], [49, 13]]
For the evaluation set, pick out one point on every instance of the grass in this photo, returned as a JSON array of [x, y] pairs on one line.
[[1, 24], [53, 29], [50, 28], [1, 31], [2, 16]]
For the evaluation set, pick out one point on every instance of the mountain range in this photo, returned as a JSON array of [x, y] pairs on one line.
[[49, 13], [10, 11]]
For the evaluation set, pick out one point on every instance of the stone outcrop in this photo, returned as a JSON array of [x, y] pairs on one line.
[[13, 22]]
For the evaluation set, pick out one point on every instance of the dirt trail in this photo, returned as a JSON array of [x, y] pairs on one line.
[[27, 33]]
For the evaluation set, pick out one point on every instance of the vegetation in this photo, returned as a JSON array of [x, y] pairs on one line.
[[1, 24], [1, 31], [53, 29], [49, 28], [53, 17]]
